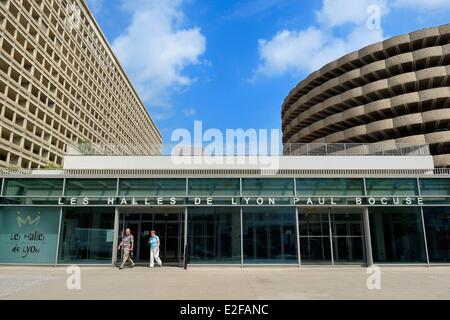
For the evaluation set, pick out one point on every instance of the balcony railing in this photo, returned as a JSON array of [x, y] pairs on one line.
[[289, 149], [355, 149]]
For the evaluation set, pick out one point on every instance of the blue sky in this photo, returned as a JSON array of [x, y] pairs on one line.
[[230, 63]]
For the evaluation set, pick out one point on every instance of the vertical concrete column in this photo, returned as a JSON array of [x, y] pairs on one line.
[[297, 234], [424, 231], [367, 235], [241, 229], [116, 236]]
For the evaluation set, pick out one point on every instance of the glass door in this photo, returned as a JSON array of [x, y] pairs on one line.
[[347, 231], [315, 239], [331, 235], [169, 227]]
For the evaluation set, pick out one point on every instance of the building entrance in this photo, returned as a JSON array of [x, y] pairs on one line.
[[169, 226], [332, 236]]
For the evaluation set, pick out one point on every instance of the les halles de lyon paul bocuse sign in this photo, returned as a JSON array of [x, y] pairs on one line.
[[240, 201]]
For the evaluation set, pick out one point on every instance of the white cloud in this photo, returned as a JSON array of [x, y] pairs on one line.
[[156, 48], [309, 49], [189, 112], [338, 12], [423, 4]]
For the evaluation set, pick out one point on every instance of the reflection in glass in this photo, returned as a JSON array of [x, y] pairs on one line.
[[152, 187], [348, 235], [33, 187], [269, 235], [261, 187], [329, 187], [397, 234], [87, 235], [437, 227], [28, 235], [214, 235], [391, 187], [314, 231], [435, 187], [214, 187], [90, 187]]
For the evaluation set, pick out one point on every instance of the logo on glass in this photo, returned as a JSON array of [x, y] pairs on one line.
[[28, 220]]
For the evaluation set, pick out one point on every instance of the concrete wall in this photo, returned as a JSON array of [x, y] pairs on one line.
[[242, 162]]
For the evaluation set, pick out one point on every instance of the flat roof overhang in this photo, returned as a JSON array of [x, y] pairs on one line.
[[367, 162]]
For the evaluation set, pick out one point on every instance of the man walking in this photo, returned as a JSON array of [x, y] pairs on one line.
[[154, 249], [127, 244]]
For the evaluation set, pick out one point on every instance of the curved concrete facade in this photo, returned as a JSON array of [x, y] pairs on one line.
[[397, 90]]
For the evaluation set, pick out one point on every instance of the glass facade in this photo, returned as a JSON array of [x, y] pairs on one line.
[[331, 236], [314, 232], [269, 235], [214, 187], [267, 187], [28, 235], [152, 187], [437, 228], [330, 187], [90, 188], [31, 191], [391, 187], [214, 235], [436, 191], [347, 232], [168, 224], [230, 220], [87, 235], [397, 235]]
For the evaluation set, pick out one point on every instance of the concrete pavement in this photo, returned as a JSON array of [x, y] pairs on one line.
[[225, 283]]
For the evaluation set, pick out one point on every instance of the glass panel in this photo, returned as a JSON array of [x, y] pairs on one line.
[[391, 187], [33, 187], [435, 187], [90, 187], [36, 201], [168, 228], [152, 187], [28, 235], [437, 227], [330, 187], [87, 235], [314, 231], [268, 187], [214, 235], [269, 235], [315, 250], [348, 235], [397, 235], [214, 187]]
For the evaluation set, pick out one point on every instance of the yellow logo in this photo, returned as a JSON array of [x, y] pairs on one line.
[[28, 220]]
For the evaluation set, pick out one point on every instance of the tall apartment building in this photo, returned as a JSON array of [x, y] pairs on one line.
[[394, 91], [61, 85]]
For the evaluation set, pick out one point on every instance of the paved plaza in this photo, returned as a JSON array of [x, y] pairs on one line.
[[225, 283]]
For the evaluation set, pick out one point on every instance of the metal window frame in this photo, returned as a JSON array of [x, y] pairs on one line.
[[185, 251], [241, 229], [297, 227]]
